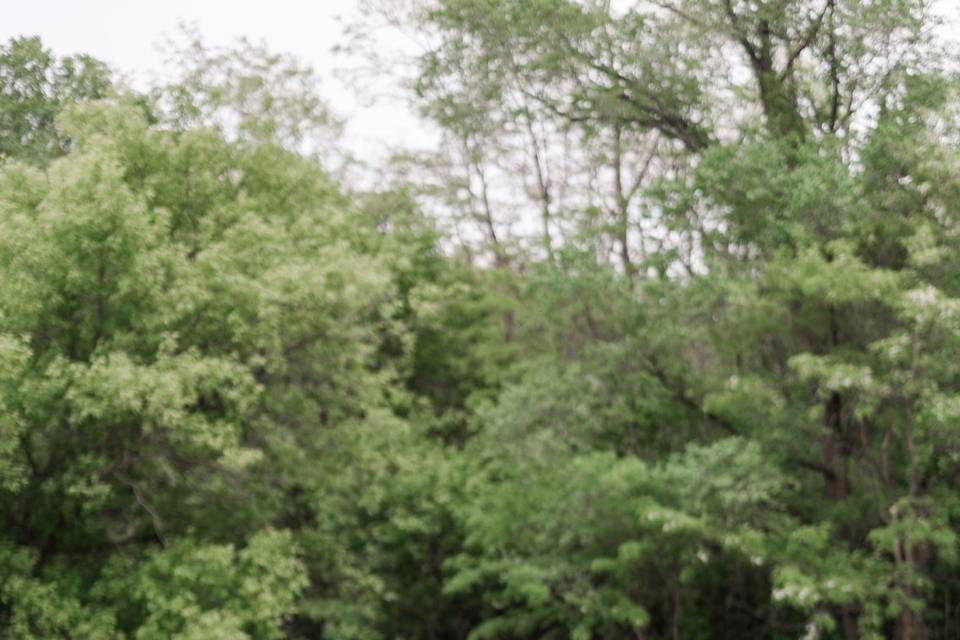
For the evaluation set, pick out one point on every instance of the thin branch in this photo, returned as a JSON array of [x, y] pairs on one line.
[[154, 516], [807, 39]]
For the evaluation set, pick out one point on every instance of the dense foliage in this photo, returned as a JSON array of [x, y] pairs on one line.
[[707, 385]]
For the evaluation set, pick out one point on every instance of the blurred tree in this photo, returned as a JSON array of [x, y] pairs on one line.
[[34, 87]]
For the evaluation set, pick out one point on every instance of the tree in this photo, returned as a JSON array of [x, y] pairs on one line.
[[34, 87]]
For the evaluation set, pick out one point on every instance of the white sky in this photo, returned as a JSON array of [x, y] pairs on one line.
[[125, 34]]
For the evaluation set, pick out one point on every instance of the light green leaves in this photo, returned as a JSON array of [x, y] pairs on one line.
[[14, 355], [193, 591]]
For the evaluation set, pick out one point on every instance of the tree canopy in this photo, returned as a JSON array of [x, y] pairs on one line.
[[663, 341]]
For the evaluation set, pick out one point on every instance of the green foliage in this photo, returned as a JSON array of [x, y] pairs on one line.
[[240, 401], [215, 591], [34, 87], [162, 294]]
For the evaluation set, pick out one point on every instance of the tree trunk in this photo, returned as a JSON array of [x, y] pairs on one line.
[[848, 621], [834, 450]]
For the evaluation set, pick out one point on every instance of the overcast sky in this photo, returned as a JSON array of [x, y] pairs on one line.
[[125, 34]]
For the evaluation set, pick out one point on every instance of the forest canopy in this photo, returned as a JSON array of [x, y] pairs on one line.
[[662, 342]]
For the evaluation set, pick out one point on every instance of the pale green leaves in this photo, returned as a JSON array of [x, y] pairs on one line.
[[14, 354], [113, 391], [194, 591]]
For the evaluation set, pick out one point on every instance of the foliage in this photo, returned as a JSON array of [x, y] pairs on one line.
[[34, 87], [713, 394]]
